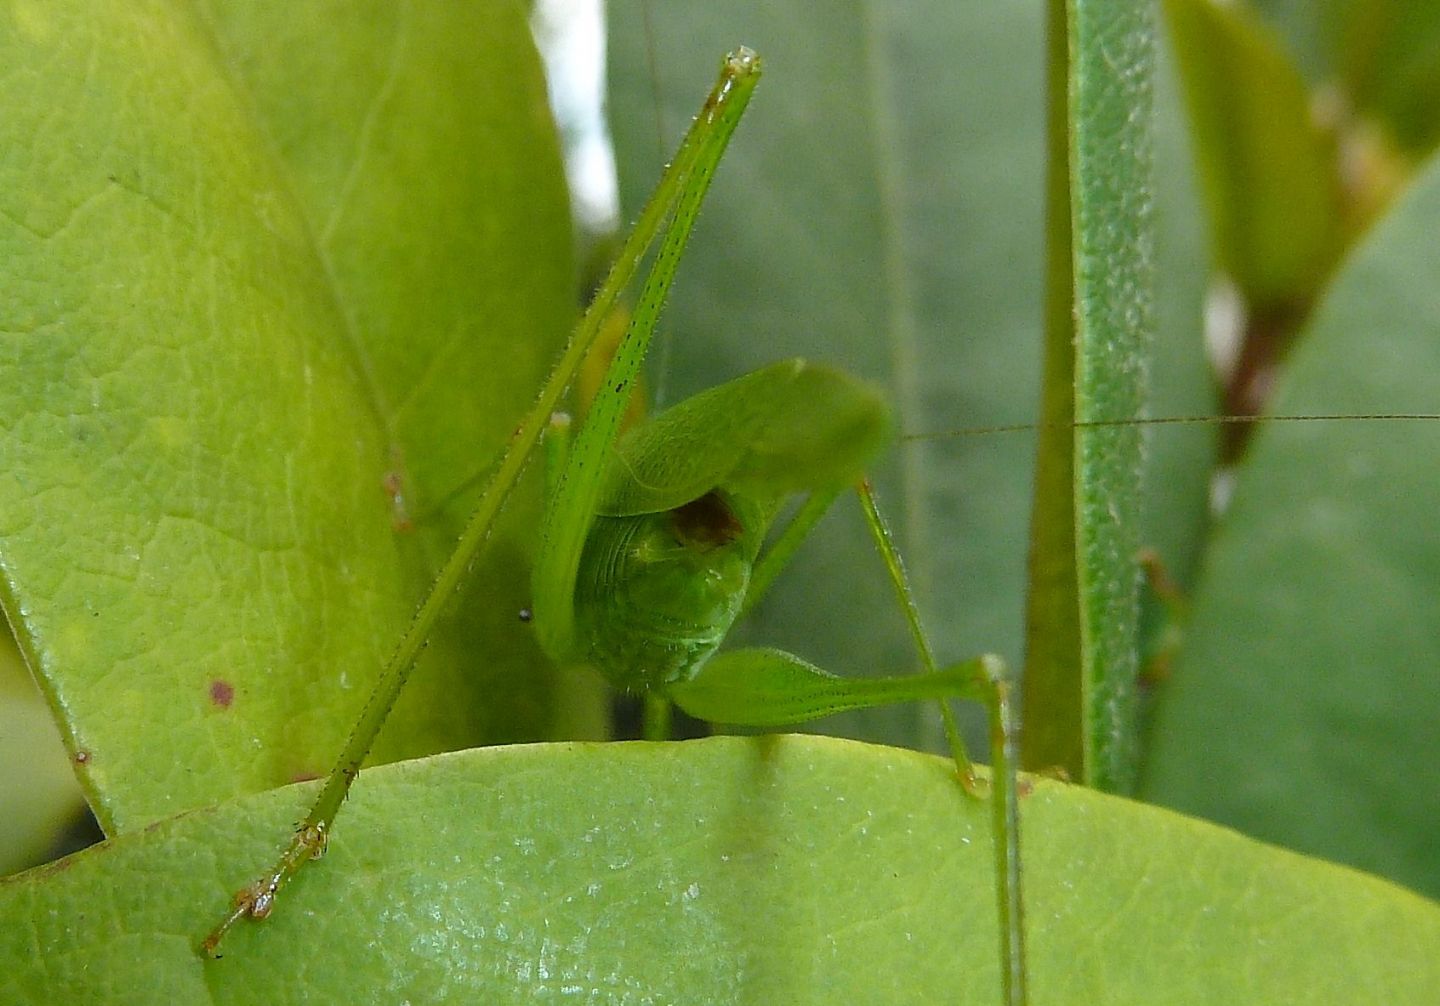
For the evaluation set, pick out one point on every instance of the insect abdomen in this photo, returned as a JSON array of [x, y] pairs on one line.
[[657, 592]]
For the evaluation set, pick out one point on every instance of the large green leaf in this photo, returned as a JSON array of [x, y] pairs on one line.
[[1304, 708], [260, 263], [770, 870]]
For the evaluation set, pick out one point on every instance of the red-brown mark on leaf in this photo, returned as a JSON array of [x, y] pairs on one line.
[[222, 693], [400, 520]]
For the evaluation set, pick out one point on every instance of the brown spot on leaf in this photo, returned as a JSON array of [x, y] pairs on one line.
[[82, 757], [400, 518], [222, 693]]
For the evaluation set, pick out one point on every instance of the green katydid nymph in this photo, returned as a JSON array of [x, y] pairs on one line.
[[653, 541]]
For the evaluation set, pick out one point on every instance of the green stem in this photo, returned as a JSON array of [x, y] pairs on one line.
[[1005, 820], [656, 725]]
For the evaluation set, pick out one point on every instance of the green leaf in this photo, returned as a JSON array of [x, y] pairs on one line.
[[1271, 175], [255, 262], [760, 870], [1379, 53], [1304, 707], [1387, 50], [1082, 631]]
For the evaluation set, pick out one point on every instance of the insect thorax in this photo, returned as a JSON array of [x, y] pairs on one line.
[[657, 592]]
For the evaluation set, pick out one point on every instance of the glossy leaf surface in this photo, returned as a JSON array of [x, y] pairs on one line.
[[757, 870]]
